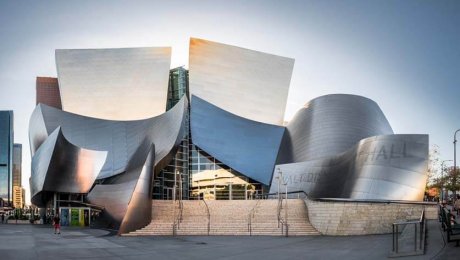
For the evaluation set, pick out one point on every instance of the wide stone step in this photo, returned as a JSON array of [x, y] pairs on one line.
[[227, 218]]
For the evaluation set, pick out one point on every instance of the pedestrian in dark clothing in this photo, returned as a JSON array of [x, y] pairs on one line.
[[57, 224], [3, 218]]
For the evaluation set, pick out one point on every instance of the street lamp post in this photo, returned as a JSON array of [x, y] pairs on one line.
[[175, 186], [280, 179], [442, 178], [180, 185]]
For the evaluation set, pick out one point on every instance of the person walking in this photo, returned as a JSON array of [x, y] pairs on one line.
[[3, 218], [57, 224]]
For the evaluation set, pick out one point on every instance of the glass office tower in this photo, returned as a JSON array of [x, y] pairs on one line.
[[6, 155]]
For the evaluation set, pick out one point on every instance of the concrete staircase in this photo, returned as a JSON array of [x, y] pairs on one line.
[[227, 217], [230, 217]]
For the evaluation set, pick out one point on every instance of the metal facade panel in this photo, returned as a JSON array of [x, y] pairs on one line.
[[247, 83], [60, 166], [127, 199], [39, 167], [247, 146], [329, 125], [116, 84], [392, 167], [120, 139]]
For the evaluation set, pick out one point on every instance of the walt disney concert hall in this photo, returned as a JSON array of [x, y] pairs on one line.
[[118, 128]]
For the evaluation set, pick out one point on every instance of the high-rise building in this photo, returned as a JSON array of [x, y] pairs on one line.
[[18, 197], [48, 92], [6, 155], [18, 193], [17, 162]]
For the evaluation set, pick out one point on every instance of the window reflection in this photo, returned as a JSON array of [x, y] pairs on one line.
[[213, 180]]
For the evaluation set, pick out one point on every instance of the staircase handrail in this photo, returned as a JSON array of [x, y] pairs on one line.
[[419, 247], [278, 212], [181, 209], [178, 219], [209, 215], [283, 221], [251, 216]]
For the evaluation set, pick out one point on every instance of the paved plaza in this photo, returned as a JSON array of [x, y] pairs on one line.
[[39, 242]]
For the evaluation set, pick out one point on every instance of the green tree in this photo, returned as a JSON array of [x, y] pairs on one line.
[[451, 180]]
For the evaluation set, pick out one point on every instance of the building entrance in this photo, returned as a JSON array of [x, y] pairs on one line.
[[75, 216]]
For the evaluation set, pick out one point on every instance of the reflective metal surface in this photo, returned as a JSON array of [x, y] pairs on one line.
[[66, 164], [60, 166], [247, 146], [250, 84], [329, 125], [127, 197], [119, 138], [116, 84], [114, 134], [341, 146], [392, 167]]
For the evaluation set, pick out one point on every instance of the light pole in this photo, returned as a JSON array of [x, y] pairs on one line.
[[175, 187], [280, 178], [180, 185], [455, 156], [442, 178]]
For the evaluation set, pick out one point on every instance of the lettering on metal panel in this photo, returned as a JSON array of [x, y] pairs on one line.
[[386, 152]]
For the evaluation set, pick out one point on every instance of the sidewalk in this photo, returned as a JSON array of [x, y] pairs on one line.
[[39, 242]]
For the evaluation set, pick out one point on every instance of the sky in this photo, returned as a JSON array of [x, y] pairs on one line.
[[405, 55]]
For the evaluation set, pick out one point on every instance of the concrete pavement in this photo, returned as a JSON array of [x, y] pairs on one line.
[[39, 242]]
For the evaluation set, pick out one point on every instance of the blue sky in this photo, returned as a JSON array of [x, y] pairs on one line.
[[405, 55]]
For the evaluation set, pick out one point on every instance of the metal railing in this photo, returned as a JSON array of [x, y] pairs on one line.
[[419, 234], [235, 194], [178, 218], [265, 196], [209, 215], [282, 222], [251, 216]]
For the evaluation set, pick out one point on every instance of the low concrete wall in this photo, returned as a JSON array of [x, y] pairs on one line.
[[347, 217]]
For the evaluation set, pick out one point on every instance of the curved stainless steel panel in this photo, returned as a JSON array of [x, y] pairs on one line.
[[59, 166], [247, 83], [329, 125], [119, 138], [392, 167], [64, 164], [37, 130], [247, 146], [115, 84], [127, 197]]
